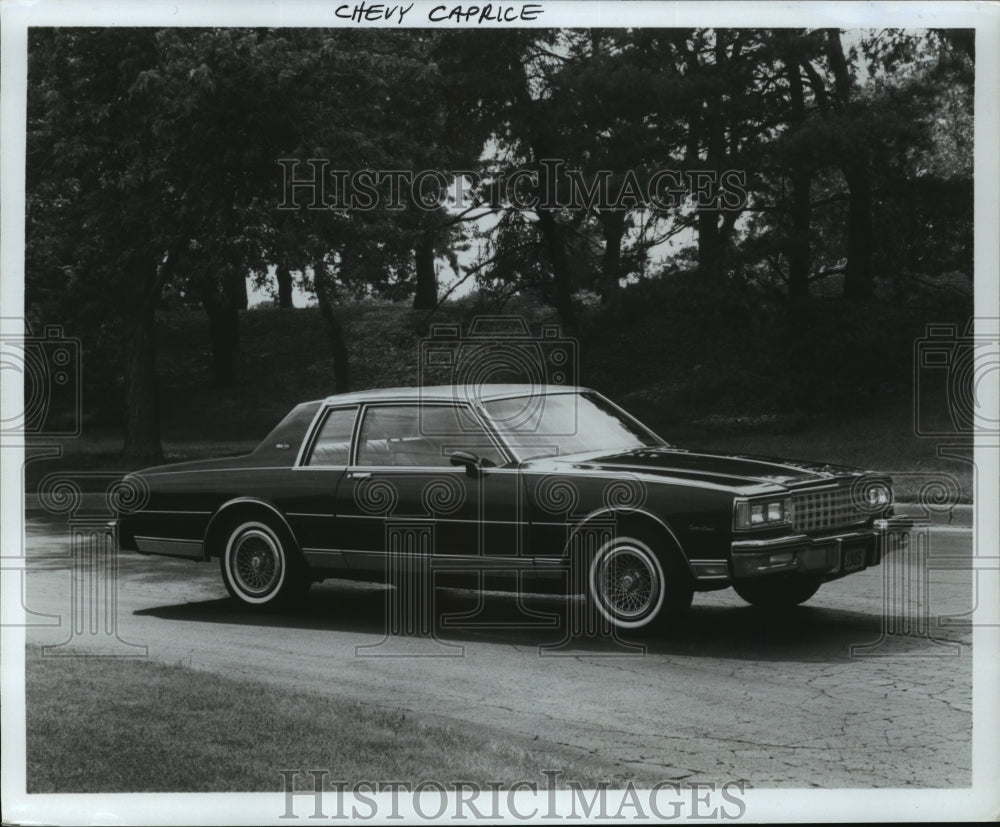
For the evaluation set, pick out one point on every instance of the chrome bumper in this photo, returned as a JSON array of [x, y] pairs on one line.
[[830, 556]]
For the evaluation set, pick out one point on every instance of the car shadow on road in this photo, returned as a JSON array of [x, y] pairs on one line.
[[552, 625]]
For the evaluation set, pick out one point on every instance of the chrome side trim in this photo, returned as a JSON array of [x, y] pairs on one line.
[[437, 562], [165, 547], [422, 518], [240, 468], [473, 562], [402, 470], [171, 511]]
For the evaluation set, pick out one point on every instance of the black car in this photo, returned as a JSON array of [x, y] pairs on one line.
[[556, 485]]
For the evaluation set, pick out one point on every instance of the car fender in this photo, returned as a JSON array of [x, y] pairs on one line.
[[227, 507], [633, 515]]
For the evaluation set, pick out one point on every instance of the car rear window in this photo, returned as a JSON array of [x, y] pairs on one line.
[[281, 446]]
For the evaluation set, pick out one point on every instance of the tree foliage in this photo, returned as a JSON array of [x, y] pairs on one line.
[[153, 170]]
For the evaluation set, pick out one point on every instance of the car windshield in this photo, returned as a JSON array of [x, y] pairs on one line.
[[566, 423]]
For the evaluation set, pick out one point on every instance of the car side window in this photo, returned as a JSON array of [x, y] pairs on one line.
[[332, 445], [421, 436]]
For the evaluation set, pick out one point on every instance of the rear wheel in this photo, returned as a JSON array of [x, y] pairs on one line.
[[261, 567], [630, 586], [777, 592]]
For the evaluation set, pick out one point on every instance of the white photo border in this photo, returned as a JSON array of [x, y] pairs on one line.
[[980, 801]]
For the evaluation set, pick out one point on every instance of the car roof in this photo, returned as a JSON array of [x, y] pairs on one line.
[[451, 393]]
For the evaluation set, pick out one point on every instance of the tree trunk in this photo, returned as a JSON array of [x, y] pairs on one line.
[[223, 328], [799, 252], [235, 288], [425, 297], [221, 303], [710, 252], [544, 146], [334, 330], [562, 287], [611, 265], [284, 276], [858, 283], [706, 125], [712, 239], [142, 443], [142, 415]]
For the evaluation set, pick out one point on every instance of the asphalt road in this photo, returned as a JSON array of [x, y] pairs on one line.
[[780, 701]]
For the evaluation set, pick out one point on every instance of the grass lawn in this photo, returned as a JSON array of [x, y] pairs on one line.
[[112, 725]]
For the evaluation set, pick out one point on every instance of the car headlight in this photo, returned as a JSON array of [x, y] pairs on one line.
[[763, 513]]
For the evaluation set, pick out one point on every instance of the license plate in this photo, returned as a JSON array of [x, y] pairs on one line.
[[854, 559]]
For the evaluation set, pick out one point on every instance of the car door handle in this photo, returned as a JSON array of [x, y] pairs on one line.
[[358, 475]]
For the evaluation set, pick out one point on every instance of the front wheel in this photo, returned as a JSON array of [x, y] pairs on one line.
[[630, 586], [259, 567], [777, 592]]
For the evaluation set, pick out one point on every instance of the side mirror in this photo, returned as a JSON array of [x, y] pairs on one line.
[[472, 464]]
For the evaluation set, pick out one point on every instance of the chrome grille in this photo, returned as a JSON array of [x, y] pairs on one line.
[[827, 509]]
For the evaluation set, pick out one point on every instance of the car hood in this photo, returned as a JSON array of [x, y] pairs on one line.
[[719, 470]]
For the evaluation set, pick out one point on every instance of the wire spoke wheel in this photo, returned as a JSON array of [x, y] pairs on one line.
[[627, 583], [255, 564]]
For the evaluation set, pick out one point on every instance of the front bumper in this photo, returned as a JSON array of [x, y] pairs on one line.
[[830, 556]]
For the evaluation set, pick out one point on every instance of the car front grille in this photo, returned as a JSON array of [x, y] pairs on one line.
[[822, 510]]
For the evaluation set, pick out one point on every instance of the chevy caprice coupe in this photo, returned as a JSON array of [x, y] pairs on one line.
[[556, 486]]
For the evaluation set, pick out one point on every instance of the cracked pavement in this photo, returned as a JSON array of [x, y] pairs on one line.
[[817, 697]]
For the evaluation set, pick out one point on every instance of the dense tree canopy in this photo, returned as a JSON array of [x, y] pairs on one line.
[[785, 161]]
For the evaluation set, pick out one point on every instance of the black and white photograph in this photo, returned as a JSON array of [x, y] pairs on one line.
[[527, 412]]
